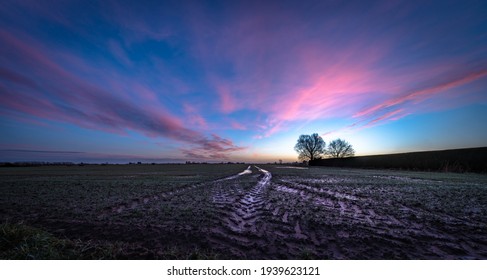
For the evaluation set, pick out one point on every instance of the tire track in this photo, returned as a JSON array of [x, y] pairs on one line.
[[138, 202], [253, 226], [390, 227], [239, 227], [348, 206], [247, 210]]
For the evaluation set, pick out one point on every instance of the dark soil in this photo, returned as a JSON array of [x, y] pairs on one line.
[[286, 216]]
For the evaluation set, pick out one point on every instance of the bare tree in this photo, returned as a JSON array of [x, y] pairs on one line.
[[310, 147], [340, 148]]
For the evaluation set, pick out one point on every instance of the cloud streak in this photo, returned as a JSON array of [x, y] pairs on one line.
[[212, 148], [416, 96], [65, 97], [294, 74]]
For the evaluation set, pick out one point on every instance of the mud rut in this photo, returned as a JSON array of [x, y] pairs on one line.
[[364, 227], [291, 218], [241, 228]]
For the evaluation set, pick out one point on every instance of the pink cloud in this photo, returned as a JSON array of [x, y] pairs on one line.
[[227, 101], [287, 80], [386, 116], [193, 117], [145, 93], [212, 148], [16, 78], [396, 108], [238, 126], [334, 89], [420, 95], [299, 73]]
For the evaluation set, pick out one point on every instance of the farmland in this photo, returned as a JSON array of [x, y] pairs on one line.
[[234, 211], [456, 160]]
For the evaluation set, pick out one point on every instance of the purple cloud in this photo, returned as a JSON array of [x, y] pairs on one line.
[[63, 96]]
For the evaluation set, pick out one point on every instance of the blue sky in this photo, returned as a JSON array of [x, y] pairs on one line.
[[165, 81]]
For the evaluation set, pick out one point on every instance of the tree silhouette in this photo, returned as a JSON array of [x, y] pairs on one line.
[[310, 147], [340, 148]]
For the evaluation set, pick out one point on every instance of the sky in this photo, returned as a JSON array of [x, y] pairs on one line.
[[170, 81]]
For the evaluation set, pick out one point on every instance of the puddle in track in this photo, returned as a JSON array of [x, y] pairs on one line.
[[246, 171]]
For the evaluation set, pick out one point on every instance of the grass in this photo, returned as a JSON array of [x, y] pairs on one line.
[[80, 192], [19, 241]]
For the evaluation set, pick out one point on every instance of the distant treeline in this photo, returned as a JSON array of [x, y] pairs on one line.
[[42, 163], [458, 160], [34, 163], [46, 163]]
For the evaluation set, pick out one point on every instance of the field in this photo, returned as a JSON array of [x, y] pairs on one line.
[[231, 211], [456, 160]]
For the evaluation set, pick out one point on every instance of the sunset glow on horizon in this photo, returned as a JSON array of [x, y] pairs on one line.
[[170, 81]]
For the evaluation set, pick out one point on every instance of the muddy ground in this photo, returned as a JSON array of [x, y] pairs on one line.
[[272, 212]]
